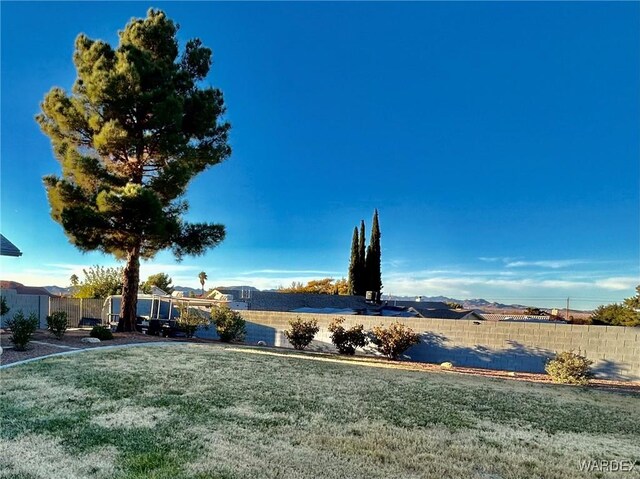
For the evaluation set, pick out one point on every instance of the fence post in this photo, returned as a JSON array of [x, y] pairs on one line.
[[81, 315]]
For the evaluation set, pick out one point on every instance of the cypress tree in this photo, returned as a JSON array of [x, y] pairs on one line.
[[373, 273], [354, 265], [362, 275]]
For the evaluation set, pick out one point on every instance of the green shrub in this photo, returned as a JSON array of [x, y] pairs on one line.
[[569, 368], [102, 333], [301, 333], [394, 340], [22, 329], [4, 309], [347, 340], [57, 323], [190, 319], [230, 325]]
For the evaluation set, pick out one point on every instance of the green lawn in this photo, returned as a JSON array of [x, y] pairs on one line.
[[206, 411]]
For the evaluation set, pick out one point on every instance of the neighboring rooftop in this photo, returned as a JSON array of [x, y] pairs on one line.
[[341, 305], [7, 248], [22, 289], [521, 317], [450, 314]]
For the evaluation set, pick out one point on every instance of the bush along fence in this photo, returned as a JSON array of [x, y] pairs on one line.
[[510, 346]]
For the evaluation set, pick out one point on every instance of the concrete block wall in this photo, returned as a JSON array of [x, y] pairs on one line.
[[28, 303], [511, 346]]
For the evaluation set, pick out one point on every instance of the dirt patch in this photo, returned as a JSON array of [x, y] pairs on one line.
[[45, 343]]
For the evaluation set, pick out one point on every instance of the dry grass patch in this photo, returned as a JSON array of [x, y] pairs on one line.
[[44, 457], [131, 417]]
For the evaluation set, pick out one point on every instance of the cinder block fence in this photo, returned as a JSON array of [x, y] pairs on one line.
[[27, 303], [511, 346]]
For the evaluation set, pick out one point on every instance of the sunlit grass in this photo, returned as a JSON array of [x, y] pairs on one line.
[[201, 411]]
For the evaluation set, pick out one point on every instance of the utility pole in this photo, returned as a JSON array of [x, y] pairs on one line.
[[566, 317]]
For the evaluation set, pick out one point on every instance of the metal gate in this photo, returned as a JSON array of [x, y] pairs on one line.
[[80, 311]]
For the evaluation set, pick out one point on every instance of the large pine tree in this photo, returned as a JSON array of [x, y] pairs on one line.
[[373, 273], [136, 127]]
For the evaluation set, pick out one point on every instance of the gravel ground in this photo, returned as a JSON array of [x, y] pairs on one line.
[[45, 343]]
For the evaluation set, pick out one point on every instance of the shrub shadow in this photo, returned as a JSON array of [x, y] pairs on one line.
[[437, 348]]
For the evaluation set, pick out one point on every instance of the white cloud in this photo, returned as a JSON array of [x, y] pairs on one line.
[[618, 283], [554, 264], [291, 271], [497, 259]]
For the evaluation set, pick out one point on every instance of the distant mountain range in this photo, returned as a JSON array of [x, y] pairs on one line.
[[466, 303]]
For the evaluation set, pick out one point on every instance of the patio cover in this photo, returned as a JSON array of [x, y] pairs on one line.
[[7, 248]]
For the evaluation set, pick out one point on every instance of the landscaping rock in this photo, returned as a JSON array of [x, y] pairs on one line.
[[90, 340], [447, 365]]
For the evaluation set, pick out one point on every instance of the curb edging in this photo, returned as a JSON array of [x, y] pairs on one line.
[[98, 348]]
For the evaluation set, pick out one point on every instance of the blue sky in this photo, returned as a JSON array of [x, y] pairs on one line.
[[499, 141]]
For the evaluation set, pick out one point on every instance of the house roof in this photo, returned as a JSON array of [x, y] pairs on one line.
[[22, 289], [418, 304], [449, 314], [7, 248], [520, 317]]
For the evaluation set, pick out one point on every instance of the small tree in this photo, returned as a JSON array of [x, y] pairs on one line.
[[301, 333], [160, 280], [634, 301], [57, 323], [22, 329], [317, 286], [99, 282], [230, 325], [4, 309], [190, 319], [394, 340], [347, 340], [615, 315], [342, 287]]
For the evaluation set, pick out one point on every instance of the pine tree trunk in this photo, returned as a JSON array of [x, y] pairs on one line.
[[131, 280]]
